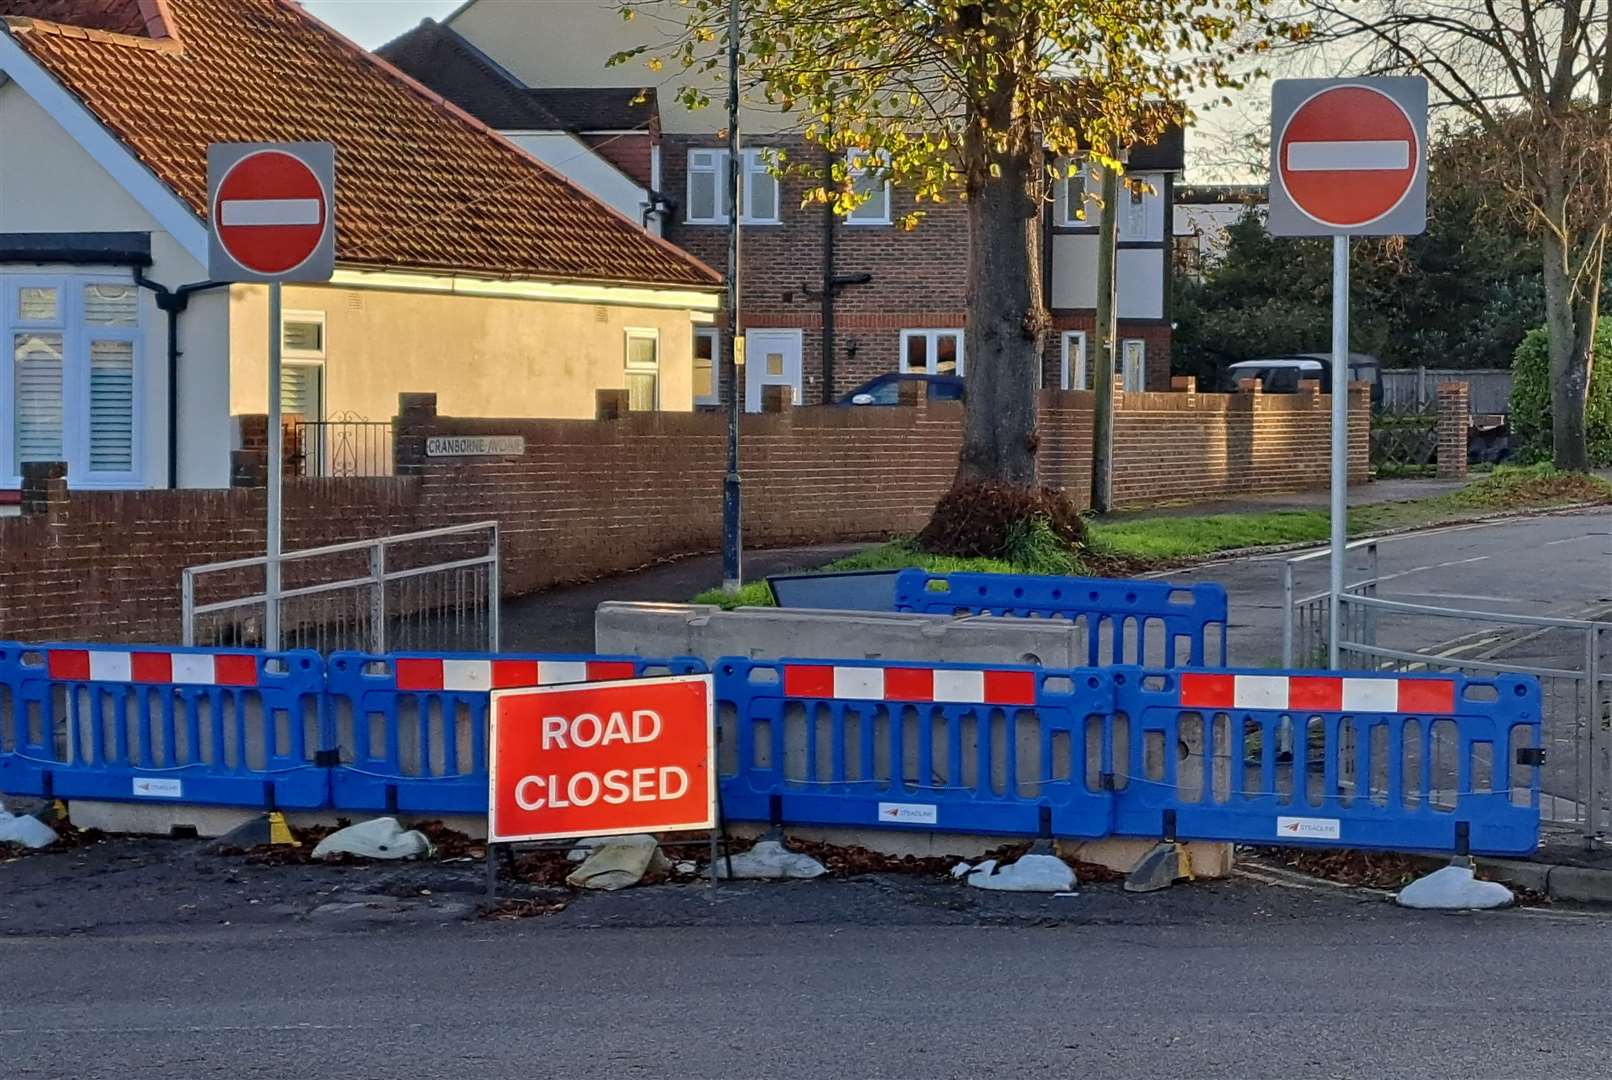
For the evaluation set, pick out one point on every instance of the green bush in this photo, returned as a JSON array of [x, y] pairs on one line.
[[1530, 398]]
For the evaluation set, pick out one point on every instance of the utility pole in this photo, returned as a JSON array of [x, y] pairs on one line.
[[1102, 428], [732, 540]]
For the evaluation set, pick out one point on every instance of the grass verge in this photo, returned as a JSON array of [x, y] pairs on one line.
[[1124, 547]]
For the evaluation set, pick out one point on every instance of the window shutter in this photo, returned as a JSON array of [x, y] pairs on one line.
[[112, 406], [38, 367], [299, 391]]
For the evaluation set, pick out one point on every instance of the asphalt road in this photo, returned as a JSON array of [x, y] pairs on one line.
[[139, 959], [1392, 995], [1556, 565]]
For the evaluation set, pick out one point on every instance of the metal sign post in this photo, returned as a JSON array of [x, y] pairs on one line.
[[1348, 158], [276, 480], [271, 219]]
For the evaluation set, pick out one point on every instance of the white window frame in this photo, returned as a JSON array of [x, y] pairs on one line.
[[1091, 190], [76, 338], [855, 170], [715, 336], [931, 350], [1073, 377], [641, 333], [714, 160], [314, 358], [1125, 346]]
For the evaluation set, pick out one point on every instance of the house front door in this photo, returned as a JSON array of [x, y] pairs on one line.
[[771, 358]]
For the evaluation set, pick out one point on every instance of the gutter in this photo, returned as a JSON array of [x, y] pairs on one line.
[[174, 302]]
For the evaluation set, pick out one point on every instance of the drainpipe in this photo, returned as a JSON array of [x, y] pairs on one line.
[[173, 302], [828, 283]]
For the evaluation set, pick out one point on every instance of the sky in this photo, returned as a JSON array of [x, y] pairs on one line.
[[375, 22]]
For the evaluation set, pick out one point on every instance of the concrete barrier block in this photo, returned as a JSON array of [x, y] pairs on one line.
[[772, 633]]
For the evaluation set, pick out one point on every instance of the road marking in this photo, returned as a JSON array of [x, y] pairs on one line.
[[1432, 566]]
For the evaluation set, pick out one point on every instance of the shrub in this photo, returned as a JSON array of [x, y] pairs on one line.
[[1530, 397]]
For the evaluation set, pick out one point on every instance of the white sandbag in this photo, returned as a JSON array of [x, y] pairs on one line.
[[1454, 888], [26, 830], [378, 838], [769, 860], [620, 861], [1032, 873]]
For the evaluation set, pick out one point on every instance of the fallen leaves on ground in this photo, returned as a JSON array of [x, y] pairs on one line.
[[1371, 869], [510, 910], [1365, 869]]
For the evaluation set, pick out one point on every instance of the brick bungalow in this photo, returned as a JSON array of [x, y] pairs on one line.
[[464, 265]]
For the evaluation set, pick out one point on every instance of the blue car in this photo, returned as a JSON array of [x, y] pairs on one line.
[[886, 389]]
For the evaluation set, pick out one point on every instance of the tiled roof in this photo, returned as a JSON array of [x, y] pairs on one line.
[[468, 77], [599, 108], [420, 184]]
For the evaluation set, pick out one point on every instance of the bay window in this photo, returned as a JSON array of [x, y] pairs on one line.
[[71, 366]]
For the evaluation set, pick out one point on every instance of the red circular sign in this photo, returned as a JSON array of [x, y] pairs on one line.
[[270, 212], [1348, 156]]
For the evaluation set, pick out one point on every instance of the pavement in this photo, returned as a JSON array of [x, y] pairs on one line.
[[151, 959], [561, 620]]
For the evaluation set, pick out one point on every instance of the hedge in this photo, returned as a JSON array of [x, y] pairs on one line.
[[1530, 398]]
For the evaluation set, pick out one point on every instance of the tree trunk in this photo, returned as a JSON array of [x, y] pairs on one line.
[[1003, 338], [1569, 357]]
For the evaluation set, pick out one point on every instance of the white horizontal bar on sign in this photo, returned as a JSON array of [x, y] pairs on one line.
[[270, 212], [1362, 155]]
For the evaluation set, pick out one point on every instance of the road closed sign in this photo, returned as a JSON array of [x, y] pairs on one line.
[[601, 759]]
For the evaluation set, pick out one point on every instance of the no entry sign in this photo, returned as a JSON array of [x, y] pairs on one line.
[[1348, 157], [271, 211], [601, 759]]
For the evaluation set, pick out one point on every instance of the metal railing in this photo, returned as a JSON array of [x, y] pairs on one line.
[[432, 590], [344, 445], [1569, 657], [1307, 605]]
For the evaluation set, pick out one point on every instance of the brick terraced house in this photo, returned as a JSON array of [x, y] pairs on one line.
[[464, 267], [828, 302]]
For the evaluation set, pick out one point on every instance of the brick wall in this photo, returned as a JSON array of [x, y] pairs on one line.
[[1184, 446], [593, 498]]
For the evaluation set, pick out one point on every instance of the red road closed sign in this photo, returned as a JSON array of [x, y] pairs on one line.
[[1349, 157], [601, 759], [270, 212]]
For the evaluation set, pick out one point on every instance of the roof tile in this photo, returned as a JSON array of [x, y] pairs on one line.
[[420, 184]]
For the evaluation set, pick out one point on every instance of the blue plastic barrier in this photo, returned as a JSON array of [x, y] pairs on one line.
[[1438, 763], [411, 729], [221, 727], [1125, 621], [1433, 763], [958, 748]]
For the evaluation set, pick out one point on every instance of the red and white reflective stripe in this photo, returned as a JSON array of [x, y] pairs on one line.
[[472, 676], [152, 668], [910, 684], [1317, 693]]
